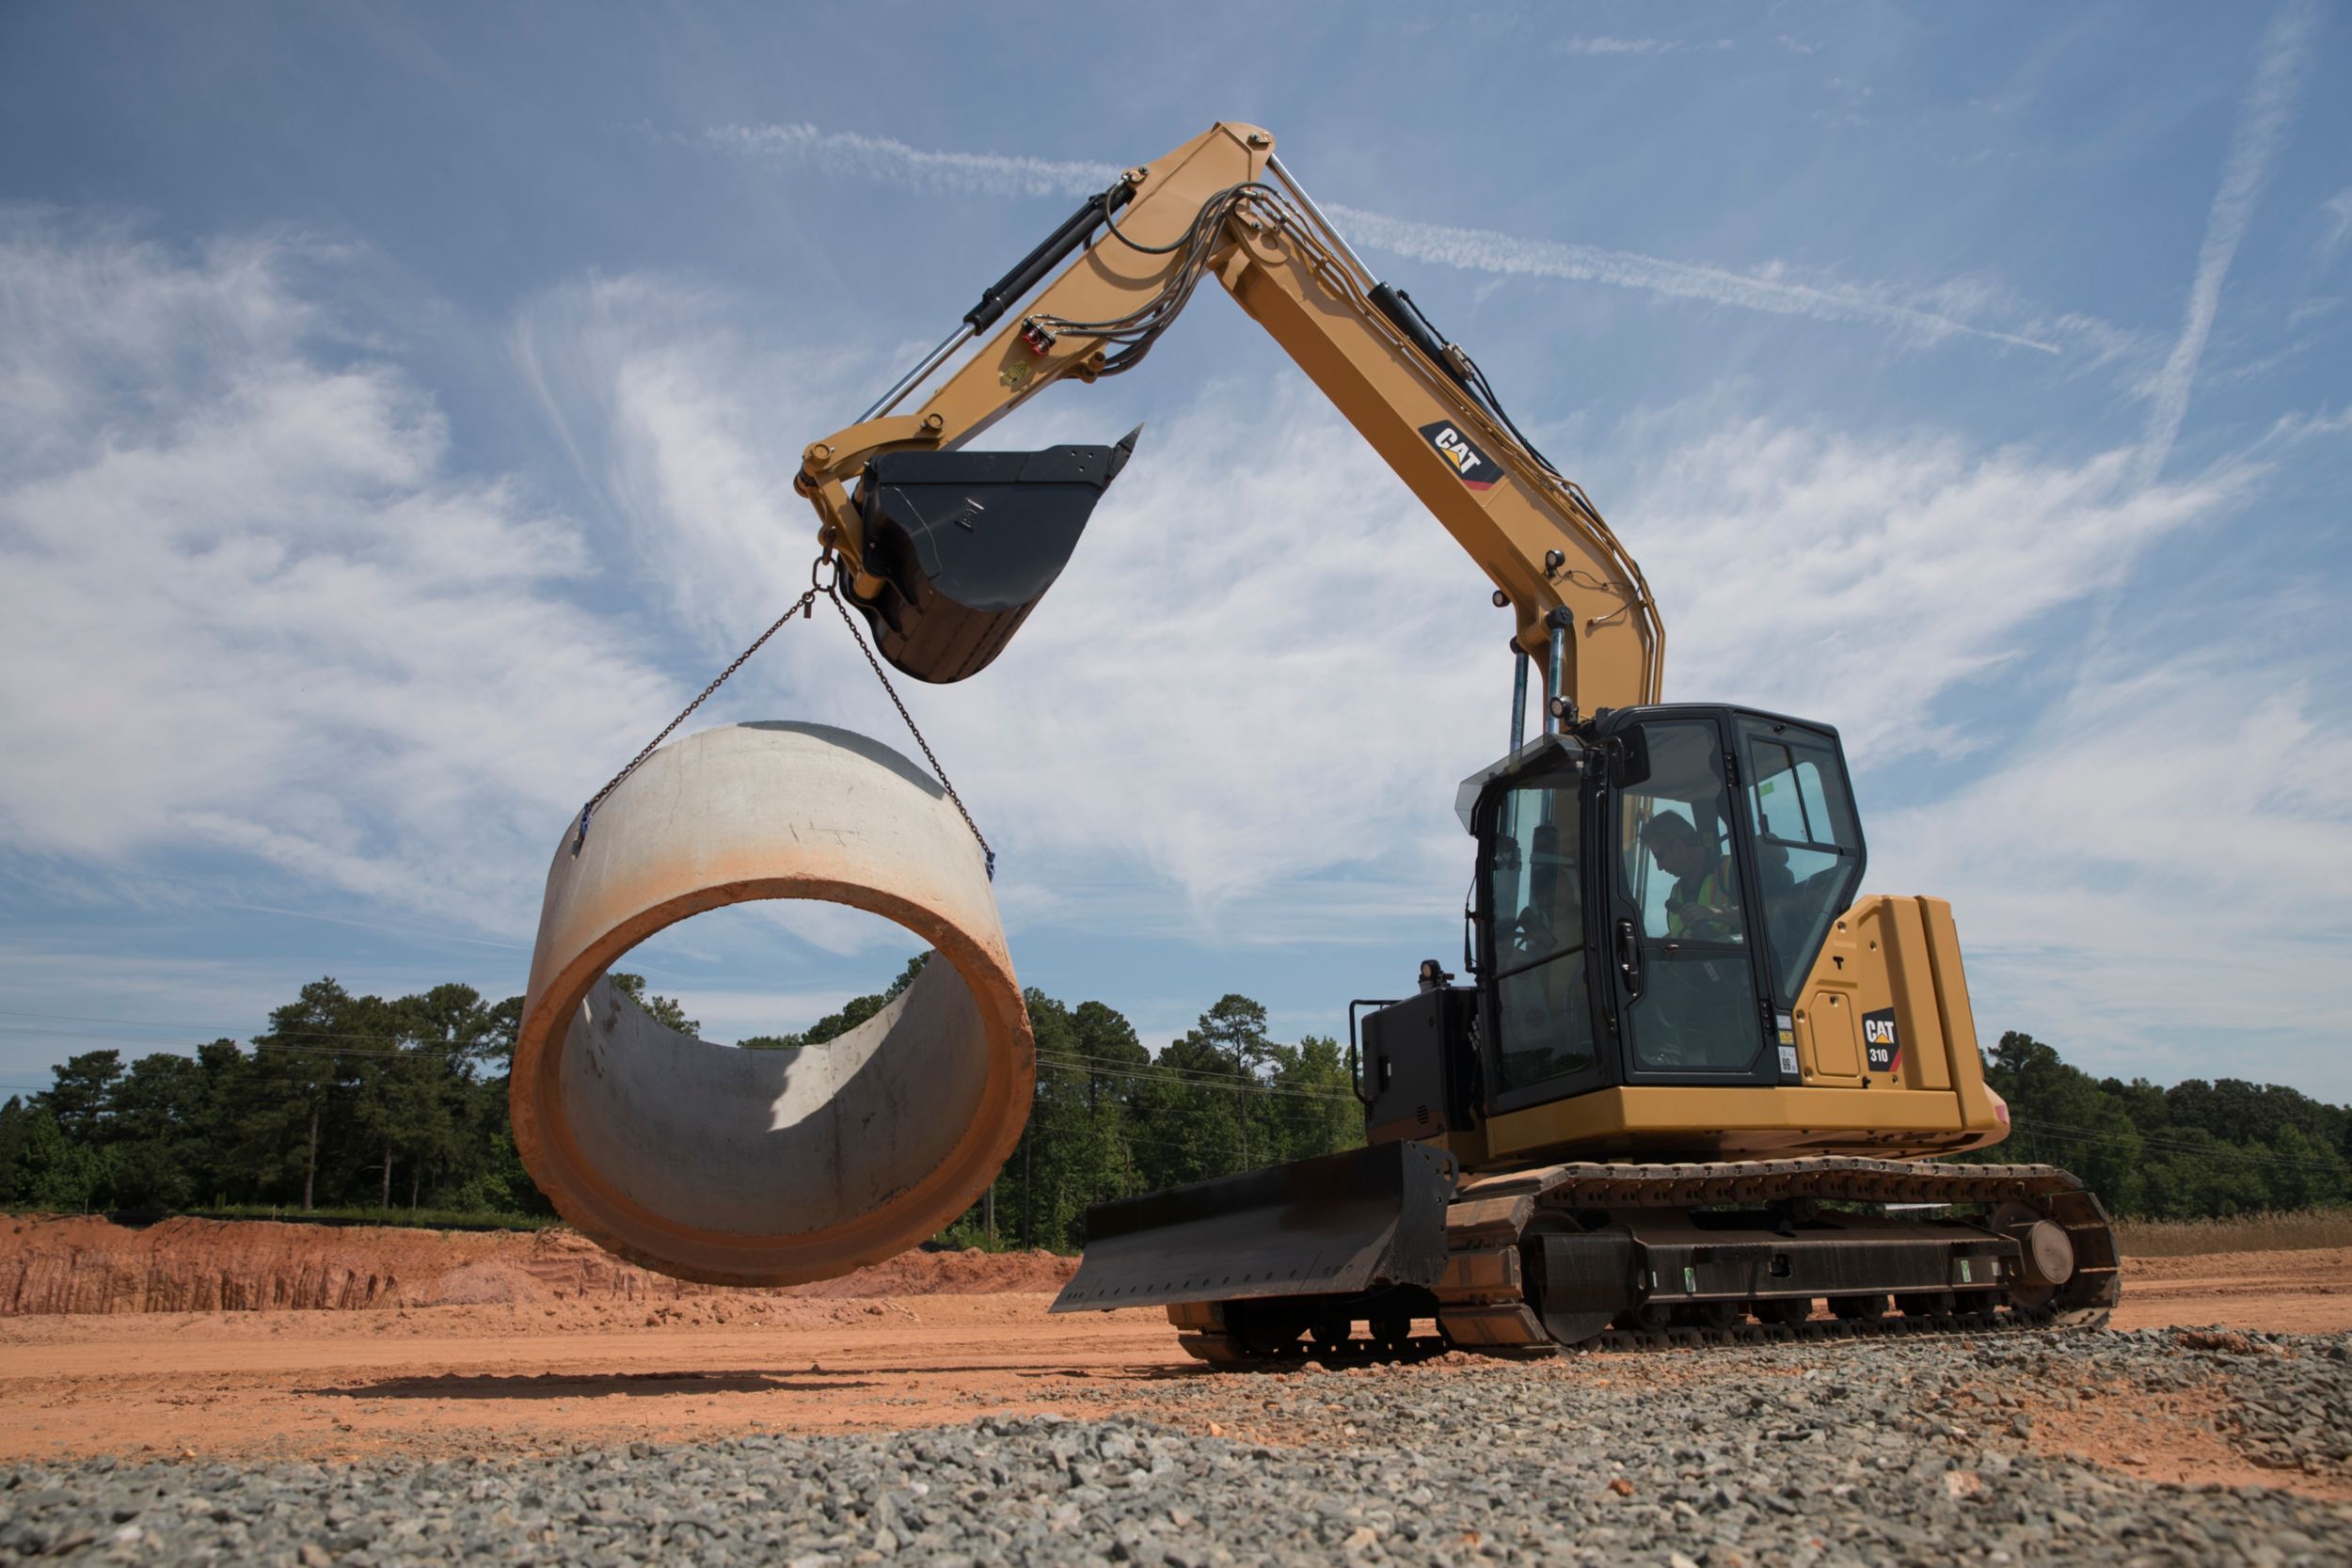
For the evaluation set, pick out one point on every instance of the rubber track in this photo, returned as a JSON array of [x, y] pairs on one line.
[[1491, 1215]]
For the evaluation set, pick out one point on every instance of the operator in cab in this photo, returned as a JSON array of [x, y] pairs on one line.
[[1704, 903]]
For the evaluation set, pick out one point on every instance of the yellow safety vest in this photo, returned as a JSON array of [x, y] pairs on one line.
[[1709, 911]]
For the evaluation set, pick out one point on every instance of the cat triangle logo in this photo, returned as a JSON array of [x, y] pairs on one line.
[[1471, 465]]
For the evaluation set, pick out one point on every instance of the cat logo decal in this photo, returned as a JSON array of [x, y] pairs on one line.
[[1885, 1051], [1472, 465]]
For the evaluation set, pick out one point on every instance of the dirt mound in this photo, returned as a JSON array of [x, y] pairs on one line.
[[82, 1264], [970, 1273], [487, 1285]]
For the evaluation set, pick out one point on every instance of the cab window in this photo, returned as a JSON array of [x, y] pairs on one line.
[[1695, 1010], [1808, 846], [1535, 896]]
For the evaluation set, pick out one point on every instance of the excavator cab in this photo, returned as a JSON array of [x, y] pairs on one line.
[[1652, 891]]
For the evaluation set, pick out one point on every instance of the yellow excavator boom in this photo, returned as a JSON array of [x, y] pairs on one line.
[[1222, 206]]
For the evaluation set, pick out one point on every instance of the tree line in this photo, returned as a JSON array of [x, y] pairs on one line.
[[344, 1102], [362, 1103], [2199, 1150]]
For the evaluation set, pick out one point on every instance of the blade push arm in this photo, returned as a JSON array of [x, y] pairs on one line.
[[1206, 210]]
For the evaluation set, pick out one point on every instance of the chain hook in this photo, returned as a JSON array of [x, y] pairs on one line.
[[828, 563]]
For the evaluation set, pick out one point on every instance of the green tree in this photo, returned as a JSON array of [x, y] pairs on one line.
[[1314, 1109], [52, 1171], [1105, 1042], [83, 1094], [1187, 1115], [833, 1025], [661, 1009], [450, 1032], [494, 1180], [1236, 1028], [153, 1132], [300, 1066], [2060, 1117], [15, 1115], [213, 1123]]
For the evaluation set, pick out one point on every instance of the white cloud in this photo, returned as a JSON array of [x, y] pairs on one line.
[[2338, 209], [245, 606], [2261, 129], [693, 434], [2151, 879], [1860, 580], [847, 154], [1773, 290], [1607, 45]]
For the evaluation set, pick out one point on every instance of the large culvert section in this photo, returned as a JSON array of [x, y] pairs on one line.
[[769, 1167]]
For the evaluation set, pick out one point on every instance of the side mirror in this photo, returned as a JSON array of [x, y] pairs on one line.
[[1628, 757]]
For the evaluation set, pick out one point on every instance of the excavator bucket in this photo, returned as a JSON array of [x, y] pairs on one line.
[[1337, 1224], [965, 544]]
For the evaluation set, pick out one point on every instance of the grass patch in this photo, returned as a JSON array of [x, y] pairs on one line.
[[413, 1219], [2293, 1232], [410, 1219]]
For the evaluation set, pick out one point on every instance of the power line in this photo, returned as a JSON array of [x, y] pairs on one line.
[[1188, 1075], [2219, 1150]]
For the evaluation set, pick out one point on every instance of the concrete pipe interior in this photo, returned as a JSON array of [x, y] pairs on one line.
[[769, 1167]]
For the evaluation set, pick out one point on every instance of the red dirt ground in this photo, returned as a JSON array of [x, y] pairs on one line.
[[114, 1342]]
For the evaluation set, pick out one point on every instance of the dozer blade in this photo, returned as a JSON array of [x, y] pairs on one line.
[[1337, 1224], [966, 542]]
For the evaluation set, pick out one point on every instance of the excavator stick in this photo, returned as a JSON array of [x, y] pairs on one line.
[[1340, 1227], [961, 545]]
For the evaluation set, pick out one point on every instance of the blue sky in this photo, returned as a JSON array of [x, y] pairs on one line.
[[397, 408]]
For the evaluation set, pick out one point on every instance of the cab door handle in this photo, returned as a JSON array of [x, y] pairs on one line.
[[1630, 957]]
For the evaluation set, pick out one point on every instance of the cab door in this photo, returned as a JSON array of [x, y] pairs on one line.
[[1688, 993], [1537, 1021]]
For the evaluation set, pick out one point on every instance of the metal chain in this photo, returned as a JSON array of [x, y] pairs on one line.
[[805, 606], [850, 621]]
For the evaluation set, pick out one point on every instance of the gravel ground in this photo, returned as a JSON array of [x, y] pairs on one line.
[[1905, 1451]]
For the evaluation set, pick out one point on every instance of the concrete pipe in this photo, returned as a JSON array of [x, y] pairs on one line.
[[769, 1167]]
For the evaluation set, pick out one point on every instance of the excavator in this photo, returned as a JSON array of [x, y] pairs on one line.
[[1693, 1087]]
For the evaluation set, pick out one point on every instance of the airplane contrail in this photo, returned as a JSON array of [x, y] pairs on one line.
[[848, 153], [2261, 128]]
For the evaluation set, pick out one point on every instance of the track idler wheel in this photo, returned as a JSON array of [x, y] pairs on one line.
[[2046, 1256]]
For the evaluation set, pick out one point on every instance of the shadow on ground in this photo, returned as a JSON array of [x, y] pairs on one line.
[[560, 1386]]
